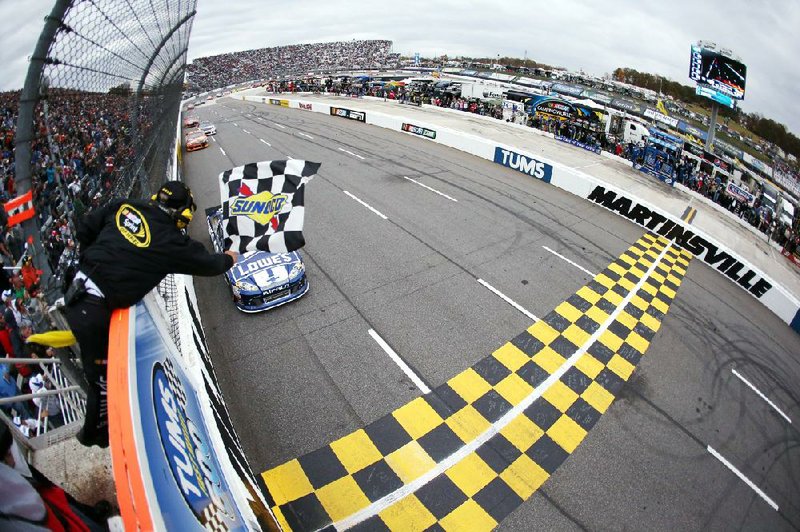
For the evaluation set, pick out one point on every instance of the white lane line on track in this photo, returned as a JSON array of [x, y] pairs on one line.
[[761, 395], [397, 495], [400, 362], [265, 142], [351, 153], [431, 189], [212, 138], [235, 124], [223, 151], [280, 126], [245, 131], [559, 255], [508, 300], [367, 206], [306, 136], [744, 479]]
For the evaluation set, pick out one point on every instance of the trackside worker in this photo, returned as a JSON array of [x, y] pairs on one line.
[[126, 248]]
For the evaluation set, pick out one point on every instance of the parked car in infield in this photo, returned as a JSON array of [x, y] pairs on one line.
[[260, 280], [208, 128], [195, 140], [191, 121]]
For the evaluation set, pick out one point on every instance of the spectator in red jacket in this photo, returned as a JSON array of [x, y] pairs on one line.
[[30, 276]]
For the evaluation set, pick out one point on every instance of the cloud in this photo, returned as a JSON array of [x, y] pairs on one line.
[[578, 34]]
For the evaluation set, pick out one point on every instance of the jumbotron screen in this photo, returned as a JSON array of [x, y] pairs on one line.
[[724, 74]]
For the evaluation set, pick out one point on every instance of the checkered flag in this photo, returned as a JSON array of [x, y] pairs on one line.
[[262, 205]]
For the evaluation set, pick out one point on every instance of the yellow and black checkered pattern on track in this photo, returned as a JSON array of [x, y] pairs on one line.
[[465, 455]]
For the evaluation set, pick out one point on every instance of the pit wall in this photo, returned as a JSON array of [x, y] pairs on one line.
[[715, 254], [177, 461]]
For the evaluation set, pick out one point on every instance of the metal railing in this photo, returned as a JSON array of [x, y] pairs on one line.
[[51, 413]]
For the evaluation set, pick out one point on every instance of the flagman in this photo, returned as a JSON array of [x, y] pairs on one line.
[[126, 248]]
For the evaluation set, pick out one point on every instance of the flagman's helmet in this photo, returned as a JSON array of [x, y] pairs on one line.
[[177, 200]]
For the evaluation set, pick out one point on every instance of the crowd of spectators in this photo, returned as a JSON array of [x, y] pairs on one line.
[[81, 145], [714, 187], [207, 73]]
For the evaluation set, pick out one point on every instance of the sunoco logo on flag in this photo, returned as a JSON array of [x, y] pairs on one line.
[[263, 205], [260, 207]]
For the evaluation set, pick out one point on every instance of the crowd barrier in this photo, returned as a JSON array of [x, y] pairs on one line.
[[176, 458], [713, 253]]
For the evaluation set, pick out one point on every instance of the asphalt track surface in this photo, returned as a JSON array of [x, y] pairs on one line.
[[297, 377]]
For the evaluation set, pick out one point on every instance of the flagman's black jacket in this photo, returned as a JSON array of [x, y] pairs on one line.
[[129, 246]]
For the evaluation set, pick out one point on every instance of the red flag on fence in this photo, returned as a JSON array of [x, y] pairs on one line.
[[20, 208]]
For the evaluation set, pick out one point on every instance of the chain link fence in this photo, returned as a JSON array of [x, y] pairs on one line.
[[102, 96], [96, 121]]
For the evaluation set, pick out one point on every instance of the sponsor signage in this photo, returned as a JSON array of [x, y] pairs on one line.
[[714, 95], [348, 113], [587, 147], [259, 262], [523, 163], [190, 491], [599, 97], [554, 107], [739, 193], [625, 105], [655, 115], [417, 130], [720, 260], [307, 106], [282, 103], [728, 148], [689, 129], [571, 90]]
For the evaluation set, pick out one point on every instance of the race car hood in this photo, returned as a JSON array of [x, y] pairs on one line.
[[266, 270]]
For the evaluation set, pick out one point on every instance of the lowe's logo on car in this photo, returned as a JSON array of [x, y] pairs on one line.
[[260, 207], [246, 268], [523, 163]]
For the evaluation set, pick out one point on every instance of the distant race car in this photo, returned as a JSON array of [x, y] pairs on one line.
[[259, 280], [196, 140], [208, 128], [191, 121]]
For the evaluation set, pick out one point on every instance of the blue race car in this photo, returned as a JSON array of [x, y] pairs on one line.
[[260, 280]]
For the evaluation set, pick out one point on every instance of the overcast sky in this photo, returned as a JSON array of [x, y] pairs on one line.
[[577, 34]]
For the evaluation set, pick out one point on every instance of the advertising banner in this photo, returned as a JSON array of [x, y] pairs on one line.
[[417, 130], [627, 105], [554, 107], [588, 147], [739, 193], [359, 116], [655, 115], [523, 163], [190, 491], [570, 90]]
